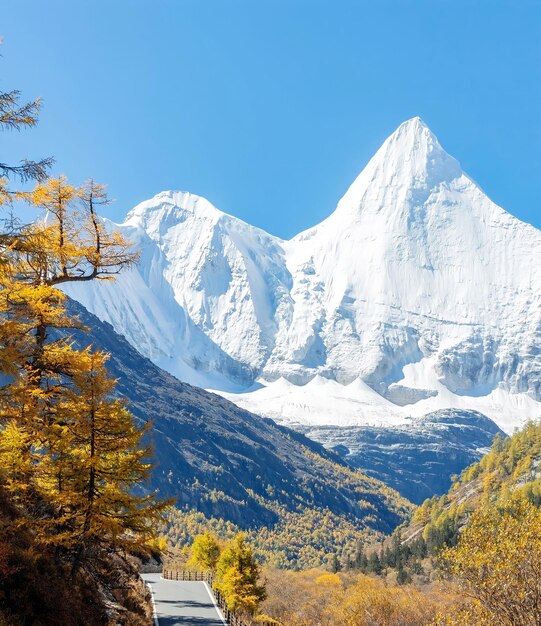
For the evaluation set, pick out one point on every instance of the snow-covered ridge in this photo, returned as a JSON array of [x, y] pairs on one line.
[[417, 293]]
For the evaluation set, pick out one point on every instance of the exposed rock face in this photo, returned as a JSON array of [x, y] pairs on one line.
[[419, 458]]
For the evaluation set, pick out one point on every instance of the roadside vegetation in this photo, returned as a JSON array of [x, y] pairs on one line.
[[236, 572], [70, 453]]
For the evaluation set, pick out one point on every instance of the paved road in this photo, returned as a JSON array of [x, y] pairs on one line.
[[182, 603]]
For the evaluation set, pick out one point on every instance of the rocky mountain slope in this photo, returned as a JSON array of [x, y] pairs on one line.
[[417, 458], [417, 294], [220, 460]]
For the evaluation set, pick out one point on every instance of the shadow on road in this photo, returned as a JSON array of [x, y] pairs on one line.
[[188, 604]]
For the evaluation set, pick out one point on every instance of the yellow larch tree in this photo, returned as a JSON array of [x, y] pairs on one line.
[[99, 456], [70, 452], [497, 564], [205, 552], [237, 577]]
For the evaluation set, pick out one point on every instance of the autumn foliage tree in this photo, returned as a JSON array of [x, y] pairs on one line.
[[70, 452], [236, 571], [205, 552], [45, 398], [237, 577], [314, 597], [497, 563], [93, 463]]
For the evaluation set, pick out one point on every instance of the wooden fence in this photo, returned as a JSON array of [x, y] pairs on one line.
[[206, 577], [232, 618]]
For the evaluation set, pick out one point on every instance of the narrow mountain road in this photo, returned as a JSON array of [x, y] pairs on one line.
[[180, 603]]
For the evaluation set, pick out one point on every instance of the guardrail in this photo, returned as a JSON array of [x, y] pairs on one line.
[[191, 576], [206, 577]]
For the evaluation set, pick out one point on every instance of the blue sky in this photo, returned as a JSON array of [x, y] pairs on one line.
[[270, 108]]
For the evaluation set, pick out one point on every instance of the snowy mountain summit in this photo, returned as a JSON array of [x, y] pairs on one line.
[[418, 293]]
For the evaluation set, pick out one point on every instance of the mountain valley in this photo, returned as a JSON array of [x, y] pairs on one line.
[[417, 295]]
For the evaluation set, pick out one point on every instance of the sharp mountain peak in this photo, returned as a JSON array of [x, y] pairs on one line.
[[406, 287], [410, 158]]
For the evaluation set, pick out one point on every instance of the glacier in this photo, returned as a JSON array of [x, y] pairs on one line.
[[417, 294]]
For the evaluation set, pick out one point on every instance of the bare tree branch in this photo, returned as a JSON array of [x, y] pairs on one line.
[[28, 170]]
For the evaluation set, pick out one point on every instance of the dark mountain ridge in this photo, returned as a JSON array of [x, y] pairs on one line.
[[226, 462]]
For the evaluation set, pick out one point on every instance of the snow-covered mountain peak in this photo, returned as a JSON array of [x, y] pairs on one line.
[[418, 287], [413, 129], [169, 208], [410, 165], [412, 149]]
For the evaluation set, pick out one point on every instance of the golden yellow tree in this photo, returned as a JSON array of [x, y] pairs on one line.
[[205, 552], [238, 574], [497, 563], [69, 244], [53, 521], [93, 464], [64, 441], [83, 452], [16, 464]]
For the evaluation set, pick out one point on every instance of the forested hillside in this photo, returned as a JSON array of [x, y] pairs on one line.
[[226, 467], [511, 468], [509, 472]]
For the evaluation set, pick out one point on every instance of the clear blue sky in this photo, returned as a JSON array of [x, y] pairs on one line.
[[270, 108]]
